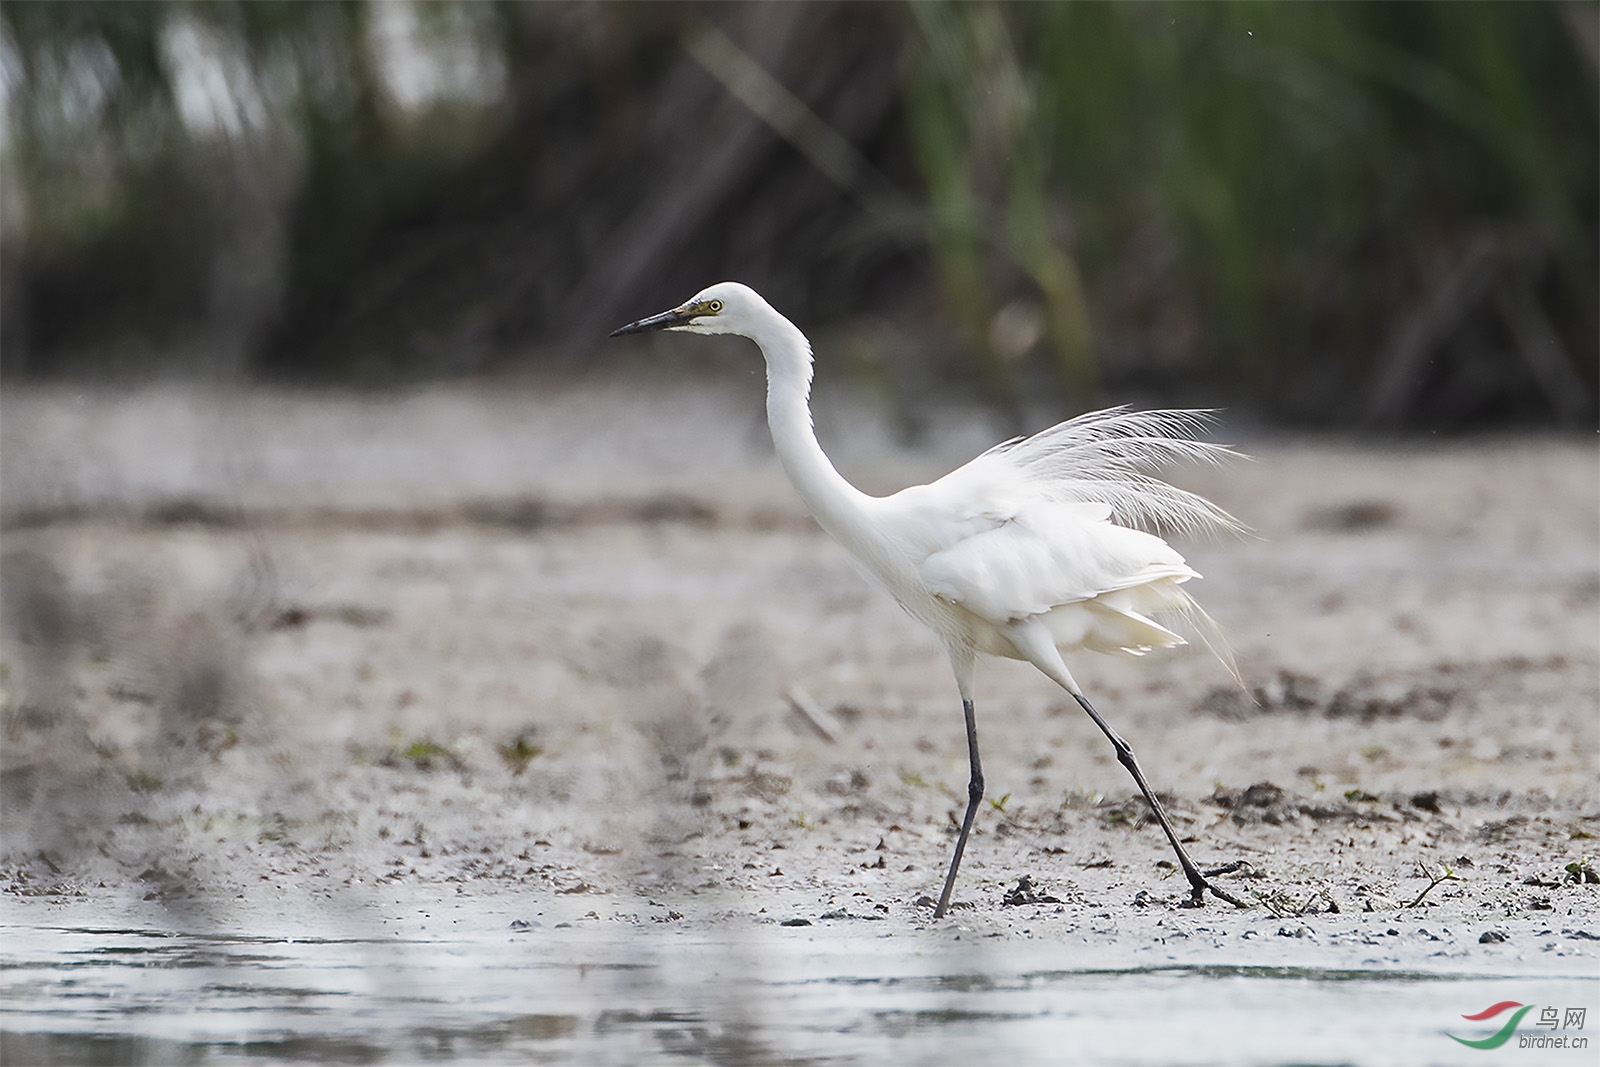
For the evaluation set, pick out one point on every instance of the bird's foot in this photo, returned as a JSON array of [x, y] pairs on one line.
[[1226, 868], [1199, 885]]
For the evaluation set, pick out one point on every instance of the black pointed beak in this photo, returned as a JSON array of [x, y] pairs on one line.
[[664, 321]]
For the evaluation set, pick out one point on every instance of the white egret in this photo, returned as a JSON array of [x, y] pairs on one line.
[[1028, 551]]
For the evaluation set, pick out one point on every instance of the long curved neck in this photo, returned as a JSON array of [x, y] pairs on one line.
[[833, 502]]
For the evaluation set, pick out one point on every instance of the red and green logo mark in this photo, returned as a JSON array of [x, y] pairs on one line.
[[1503, 1035], [1551, 1018]]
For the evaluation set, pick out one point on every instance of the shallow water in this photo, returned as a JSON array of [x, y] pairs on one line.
[[768, 994]]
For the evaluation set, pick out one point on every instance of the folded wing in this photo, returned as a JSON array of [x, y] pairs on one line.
[[1092, 582]]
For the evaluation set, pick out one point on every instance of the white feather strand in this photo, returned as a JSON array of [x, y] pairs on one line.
[[1104, 456]]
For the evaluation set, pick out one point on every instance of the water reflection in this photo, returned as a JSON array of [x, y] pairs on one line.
[[89, 995]]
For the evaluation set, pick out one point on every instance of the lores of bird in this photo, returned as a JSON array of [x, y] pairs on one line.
[[1030, 550]]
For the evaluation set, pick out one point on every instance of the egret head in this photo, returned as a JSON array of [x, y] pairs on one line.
[[726, 307]]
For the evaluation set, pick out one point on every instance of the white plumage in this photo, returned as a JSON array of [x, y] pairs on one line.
[[1039, 546]]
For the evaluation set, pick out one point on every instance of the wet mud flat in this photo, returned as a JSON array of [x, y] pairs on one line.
[[359, 730]]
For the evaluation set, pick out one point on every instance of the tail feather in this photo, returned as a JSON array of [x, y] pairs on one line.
[[1209, 631], [1116, 622], [1125, 630]]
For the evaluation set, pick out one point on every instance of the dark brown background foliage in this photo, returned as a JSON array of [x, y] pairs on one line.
[[1379, 214]]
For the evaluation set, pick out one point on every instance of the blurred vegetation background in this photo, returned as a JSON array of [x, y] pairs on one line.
[[1340, 214]]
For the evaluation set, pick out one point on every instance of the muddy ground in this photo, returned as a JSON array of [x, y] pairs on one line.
[[574, 647]]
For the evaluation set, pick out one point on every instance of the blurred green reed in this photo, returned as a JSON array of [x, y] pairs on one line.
[[1290, 159]]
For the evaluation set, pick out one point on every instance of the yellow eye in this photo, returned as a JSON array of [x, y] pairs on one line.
[[714, 306]]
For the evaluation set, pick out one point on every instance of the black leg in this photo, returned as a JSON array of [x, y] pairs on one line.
[[974, 794], [1197, 881]]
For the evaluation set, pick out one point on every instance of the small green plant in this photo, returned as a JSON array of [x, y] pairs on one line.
[[142, 781], [1278, 902], [1582, 871], [1435, 876], [1132, 812], [518, 753], [1284, 905], [424, 753], [274, 827], [1082, 798], [800, 821], [1000, 804]]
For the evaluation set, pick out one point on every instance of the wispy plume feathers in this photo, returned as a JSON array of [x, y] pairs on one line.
[[1107, 456]]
